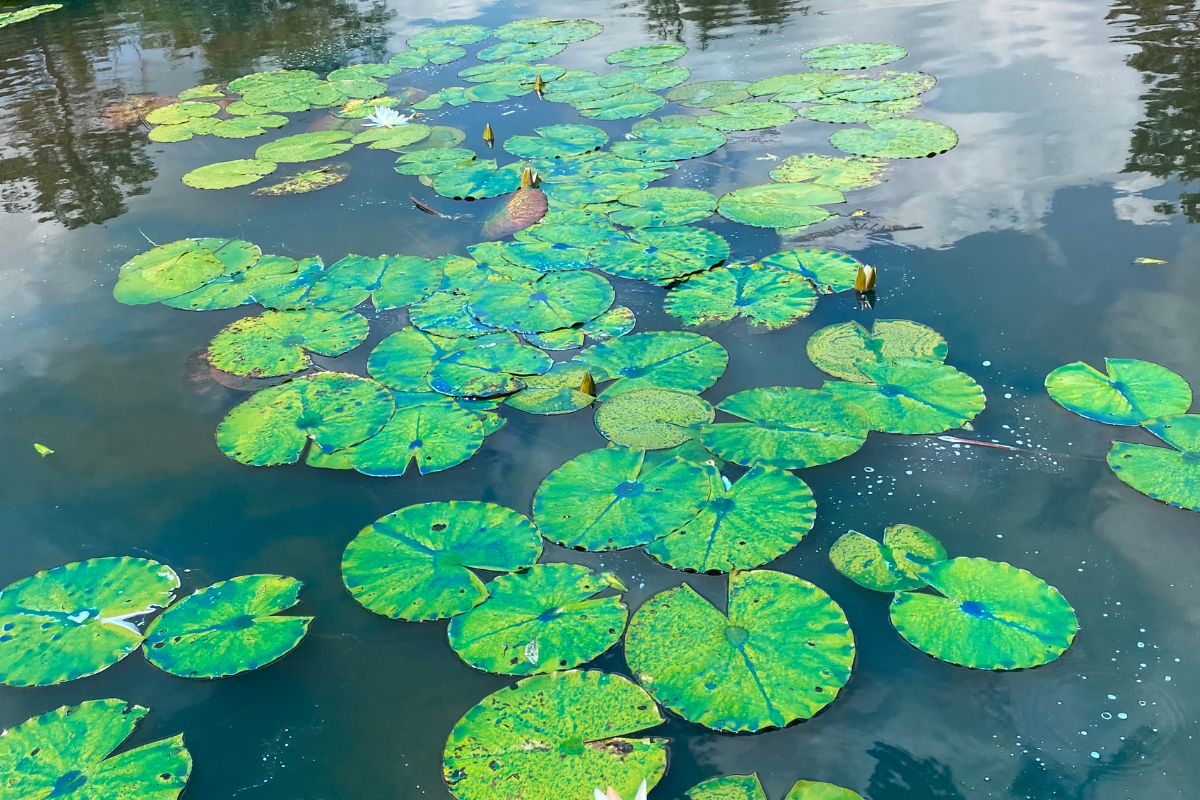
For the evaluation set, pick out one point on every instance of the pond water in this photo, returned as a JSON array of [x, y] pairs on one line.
[[1077, 125]]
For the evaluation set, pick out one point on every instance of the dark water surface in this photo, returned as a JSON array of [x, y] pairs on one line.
[[1078, 125]]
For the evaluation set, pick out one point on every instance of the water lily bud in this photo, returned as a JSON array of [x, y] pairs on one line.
[[864, 281]]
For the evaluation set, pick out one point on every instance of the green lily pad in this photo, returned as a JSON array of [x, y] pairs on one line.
[[403, 360], [653, 208], [647, 55], [755, 520], [333, 409], [440, 137], [278, 342], [686, 362], [557, 735], [361, 108], [652, 79], [434, 434], [782, 654], [829, 270], [779, 205], [174, 269], [177, 113], [847, 113], [200, 126], [893, 566], [228, 174], [305, 182], [406, 280], [919, 398], [25, 14], [238, 289], [842, 349], [476, 180], [62, 751], [652, 419], [763, 295], [555, 141], [434, 161], [447, 313], [544, 29], [453, 96], [304, 147], [856, 55], [511, 71], [840, 173], [787, 427], [617, 321], [554, 300], [289, 97], [415, 563], [358, 88], [227, 628], [662, 255], [496, 91], [707, 94], [748, 116], [487, 370], [449, 34], [557, 391], [544, 620], [358, 72], [798, 87], [278, 77], [1169, 476], [626, 105], [240, 108], [520, 51], [603, 187], [557, 339], [1133, 391], [989, 615], [885, 87], [247, 126], [75, 620], [729, 787], [394, 138], [609, 500], [896, 138], [660, 141], [340, 287], [417, 57]]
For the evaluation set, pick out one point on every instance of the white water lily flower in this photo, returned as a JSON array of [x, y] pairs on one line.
[[381, 117], [611, 794]]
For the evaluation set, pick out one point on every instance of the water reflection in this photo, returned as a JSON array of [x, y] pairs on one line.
[[899, 775], [721, 19]]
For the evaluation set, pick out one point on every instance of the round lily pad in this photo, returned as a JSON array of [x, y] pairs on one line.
[[417, 57], [1169, 475], [496, 91], [1133, 391], [278, 342], [59, 753], [177, 113], [657, 207], [749, 115], [661, 141], [840, 173], [729, 787], [433, 161], [395, 138], [848, 113], [662, 255], [782, 654], [520, 51], [855, 55], [406, 280], [278, 77], [677, 360], [557, 339], [913, 398], [435, 435], [626, 105], [893, 566], [988, 615], [884, 87], [558, 735], [896, 138], [609, 499], [487, 370], [617, 321], [842, 349], [755, 520], [247, 126], [357, 72], [648, 78], [304, 147], [707, 94], [403, 360], [446, 313], [228, 174], [334, 409], [476, 180], [647, 55], [779, 205], [787, 427], [416, 563], [763, 295], [543, 620], [652, 419], [558, 391], [174, 269], [555, 141], [78, 619], [227, 628], [544, 29], [340, 287], [449, 34], [554, 300], [230, 291]]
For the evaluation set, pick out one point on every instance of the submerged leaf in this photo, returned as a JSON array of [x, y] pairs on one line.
[[893, 566], [305, 182], [1170, 476], [1133, 391]]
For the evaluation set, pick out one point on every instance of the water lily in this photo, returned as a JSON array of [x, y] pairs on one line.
[[382, 117], [611, 794]]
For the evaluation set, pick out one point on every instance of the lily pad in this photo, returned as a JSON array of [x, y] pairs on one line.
[[434, 161], [449, 34], [647, 55], [358, 72], [555, 141], [403, 360], [779, 205], [797, 87], [434, 434], [476, 180], [893, 566], [663, 255], [174, 269], [840, 173], [177, 113], [626, 105], [487, 370], [847, 112], [62, 751], [748, 116], [544, 29], [707, 94], [653, 208], [617, 321], [678, 360], [304, 147], [544, 620], [527, 52], [557, 735], [884, 87], [406, 280], [660, 141], [856, 55], [185, 130], [231, 291], [496, 91], [228, 174], [729, 787], [447, 313], [842, 349], [557, 339], [609, 499], [787, 427], [78, 619], [453, 96], [227, 628], [511, 71], [278, 77], [418, 57], [829, 270], [988, 615], [333, 409], [652, 79], [394, 138], [557, 391], [1133, 391], [342, 286], [755, 520], [488, 262], [554, 300], [415, 563], [919, 398], [440, 137], [305, 182], [652, 419], [26, 14], [278, 342], [896, 138], [782, 654], [1168, 475], [247, 126], [763, 295]]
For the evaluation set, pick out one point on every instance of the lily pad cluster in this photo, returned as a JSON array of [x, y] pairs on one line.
[[82, 618], [1139, 393], [968, 611]]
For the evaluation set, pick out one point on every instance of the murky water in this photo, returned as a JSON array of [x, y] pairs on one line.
[[1078, 133]]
